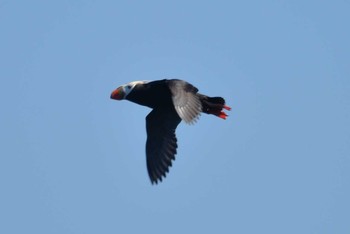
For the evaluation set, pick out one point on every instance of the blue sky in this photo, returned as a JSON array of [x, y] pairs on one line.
[[73, 161]]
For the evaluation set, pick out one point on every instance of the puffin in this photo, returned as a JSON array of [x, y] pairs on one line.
[[171, 101]]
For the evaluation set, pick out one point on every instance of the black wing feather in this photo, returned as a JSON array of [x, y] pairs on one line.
[[161, 142]]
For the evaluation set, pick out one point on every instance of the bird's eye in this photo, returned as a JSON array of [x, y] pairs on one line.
[[128, 86]]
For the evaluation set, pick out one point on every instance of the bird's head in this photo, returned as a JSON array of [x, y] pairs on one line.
[[122, 92]]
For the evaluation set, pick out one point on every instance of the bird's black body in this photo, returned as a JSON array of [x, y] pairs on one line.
[[171, 101], [153, 94]]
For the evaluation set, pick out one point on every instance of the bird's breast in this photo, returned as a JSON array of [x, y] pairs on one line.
[[153, 96]]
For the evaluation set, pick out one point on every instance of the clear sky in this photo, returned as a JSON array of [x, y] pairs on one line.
[[73, 161]]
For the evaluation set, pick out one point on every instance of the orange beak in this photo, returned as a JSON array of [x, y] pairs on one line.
[[118, 94]]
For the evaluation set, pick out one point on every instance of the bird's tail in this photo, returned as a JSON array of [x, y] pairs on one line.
[[214, 106]]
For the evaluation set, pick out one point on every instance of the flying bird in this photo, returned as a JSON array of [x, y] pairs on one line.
[[171, 102]]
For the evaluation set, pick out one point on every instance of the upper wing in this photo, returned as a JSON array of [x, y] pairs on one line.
[[161, 142], [186, 102]]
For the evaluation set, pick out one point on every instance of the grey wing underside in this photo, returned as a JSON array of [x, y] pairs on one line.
[[161, 142], [186, 101]]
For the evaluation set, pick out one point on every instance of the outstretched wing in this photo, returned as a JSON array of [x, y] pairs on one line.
[[186, 102], [161, 142]]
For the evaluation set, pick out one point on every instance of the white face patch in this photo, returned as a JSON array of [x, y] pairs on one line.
[[130, 86]]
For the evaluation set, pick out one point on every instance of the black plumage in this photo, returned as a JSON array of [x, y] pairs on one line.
[[171, 101]]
